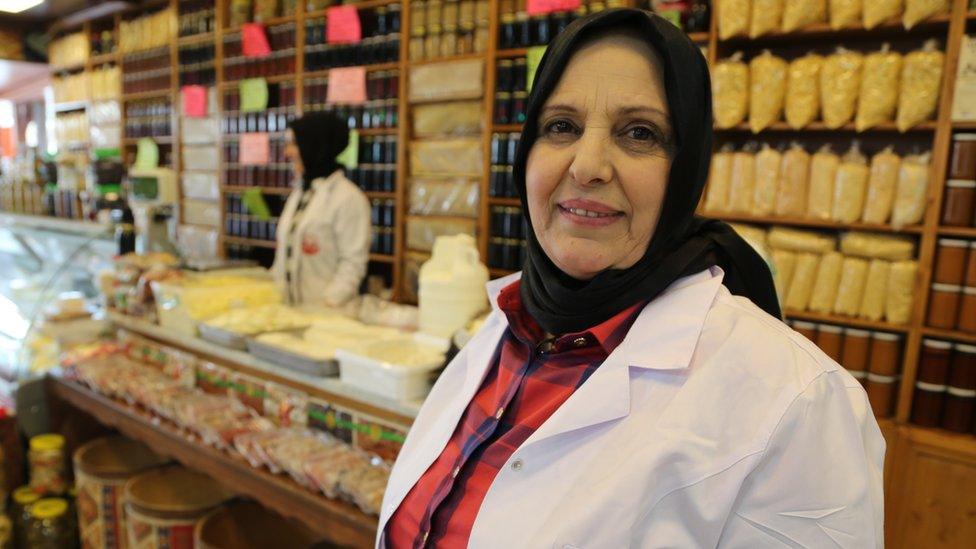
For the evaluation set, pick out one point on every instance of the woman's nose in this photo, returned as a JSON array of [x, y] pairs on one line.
[[591, 163]]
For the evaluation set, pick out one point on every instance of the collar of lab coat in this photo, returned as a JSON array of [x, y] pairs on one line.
[[320, 182]]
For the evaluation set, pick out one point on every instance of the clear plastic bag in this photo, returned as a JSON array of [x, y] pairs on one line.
[[801, 241], [719, 181], [876, 12], [784, 265], [901, 290], [423, 231], [850, 186], [800, 13], [802, 101], [461, 156], [730, 91], [733, 18], [917, 11], [446, 197], [913, 183], [440, 119], [448, 81], [881, 186], [823, 173], [840, 82], [825, 286], [850, 290], [801, 286], [876, 246], [844, 13], [767, 85], [878, 97], [876, 290], [743, 185], [921, 80], [767, 16], [768, 162], [791, 200]]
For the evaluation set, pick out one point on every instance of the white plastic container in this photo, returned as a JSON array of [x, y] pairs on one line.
[[362, 368], [452, 286]]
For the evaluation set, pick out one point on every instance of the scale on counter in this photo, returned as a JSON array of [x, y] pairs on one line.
[[152, 195]]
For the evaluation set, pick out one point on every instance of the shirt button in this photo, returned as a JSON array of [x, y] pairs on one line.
[[517, 465], [500, 412], [579, 342]]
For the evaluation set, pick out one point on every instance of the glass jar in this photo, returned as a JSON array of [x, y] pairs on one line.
[[523, 34], [885, 353], [433, 13], [466, 41], [506, 32], [480, 44], [962, 163], [449, 41], [950, 261], [503, 108], [960, 195], [944, 305], [449, 13], [417, 44], [48, 468], [432, 42], [21, 501], [830, 339], [49, 526]]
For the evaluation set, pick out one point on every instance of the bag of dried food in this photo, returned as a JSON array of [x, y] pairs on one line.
[[802, 101], [901, 289], [879, 11], [768, 162], [766, 17], [876, 290], [767, 87], [791, 199], [796, 240], [825, 286], [823, 173], [719, 180], [730, 91], [882, 181], [801, 286], [784, 264], [743, 185], [850, 290], [840, 81], [877, 246], [733, 18], [850, 186], [878, 98], [844, 13], [921, 80], [800, 13], [917, 11], [913, 183]]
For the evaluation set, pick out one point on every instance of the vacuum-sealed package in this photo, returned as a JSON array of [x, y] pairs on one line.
[[882, 181], [766, 17], [801, 286], [913, 183], [802, 101], [921, 80], [730, 91], [901, 289], [844, 13], [743, 186], [800, 241], [876, 290], [878, 97], [733, 18], [455, 196], [850, 186], [877, 246], [791, 199], [875, 12], [800, 13], [840, 82], [850, 290], [784, 264], [917, 11], [825, 285], [441, 119], [767, 85], [823, 173], [768, 162], [719, 181]]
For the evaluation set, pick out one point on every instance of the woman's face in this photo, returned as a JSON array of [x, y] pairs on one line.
[[596, 175], [291, 152]]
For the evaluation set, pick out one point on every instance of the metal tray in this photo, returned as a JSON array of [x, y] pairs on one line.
[[293, 361], [223, 337]]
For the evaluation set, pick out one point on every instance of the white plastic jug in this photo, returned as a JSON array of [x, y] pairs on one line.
[[452, 286]]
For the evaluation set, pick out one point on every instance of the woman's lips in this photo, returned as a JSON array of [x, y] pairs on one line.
[[588, 213]]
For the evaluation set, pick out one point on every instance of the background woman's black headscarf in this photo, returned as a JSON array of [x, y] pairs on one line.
[[320, 137], [683, 243]]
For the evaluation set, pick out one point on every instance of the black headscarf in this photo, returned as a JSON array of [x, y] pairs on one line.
[[320, 137], [683, 243]]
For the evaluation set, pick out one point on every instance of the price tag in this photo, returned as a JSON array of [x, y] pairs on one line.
[[347, 85], [254, 149]]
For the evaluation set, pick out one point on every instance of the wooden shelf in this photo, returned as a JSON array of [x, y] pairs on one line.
[[941, 438], [499, 273], [359, 5], [498, 201], [104, 58], [264, 190], [233, 84], [269, 23], [159, 139], [370, 132], [699, 37], [253, 242], [165, 92], [813, 223], [964, 125], [379, 194], [382, 258], [506, 128], [514, 52], [70, 68], [324, 73], [69, 106], [339, 521], [464, 57], [891, 27], [193, 39], [962, 232], [927, 126], [954, 335], [846, 321]]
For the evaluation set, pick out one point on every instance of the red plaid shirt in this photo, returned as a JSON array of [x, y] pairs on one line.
[[529, 380]]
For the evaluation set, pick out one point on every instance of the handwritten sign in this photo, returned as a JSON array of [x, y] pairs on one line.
[[541, 7], [194, 101], [349, 157], [342, 25], [533, 56], [254, 94], [254, 41], [347, 85], [254, 149]]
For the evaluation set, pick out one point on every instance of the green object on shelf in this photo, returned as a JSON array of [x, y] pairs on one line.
[[102, 154], [254, 201], [147, 153], [532, 59], [254, 94], [349, 157]]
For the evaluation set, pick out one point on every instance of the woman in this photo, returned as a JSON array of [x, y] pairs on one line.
[[619, 394], [324, 232]]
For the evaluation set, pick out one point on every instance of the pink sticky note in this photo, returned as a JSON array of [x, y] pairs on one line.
[[539, 7], [342, 25], [347, 85], [194, 101], [254, 41], [254, 149]]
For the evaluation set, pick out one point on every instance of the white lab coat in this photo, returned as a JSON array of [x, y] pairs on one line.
[[331, 243], [711, 425]]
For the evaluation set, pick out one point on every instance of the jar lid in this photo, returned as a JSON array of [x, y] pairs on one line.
[[25, 495], [831, 329], [930, 387], [968, 349], [858, 374], [936, 344], [804, 325], [856, 332], [886, 336], [51, 441], [49, 508], [502, 95], [953, 242], [969, 290], [436, 29], [960, 184], [505, 62], [951, 288], [878, 378], [964, 393], [964, 137]]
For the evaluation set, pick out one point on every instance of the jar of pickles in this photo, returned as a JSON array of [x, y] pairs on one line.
[[48, 467], [50, 527], [22, 499]]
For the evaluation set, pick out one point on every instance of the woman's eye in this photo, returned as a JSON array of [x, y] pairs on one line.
[[640, 133], [559, 126]]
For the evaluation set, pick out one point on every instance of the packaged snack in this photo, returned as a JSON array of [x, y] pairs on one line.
[[876, 246], [850, 290], [743, 185], [850, 186], [802, 102], [733, 18], [917, 11], [825, 286], [800, 241], [844, 13], [876, 290], [913, 182], [921, 80], [784, 265], [840, 81], [767, 84], [730, 91], [801, 286], [800, 13], [719, 181], [766, 17], [879, 88], [792, 197], [901, 288], [823, 173], [768, 162], [882, 181], [878, 11]]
